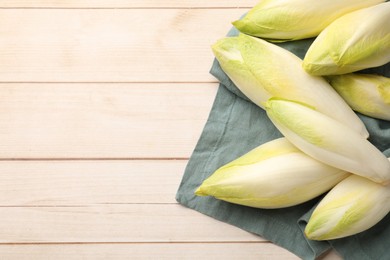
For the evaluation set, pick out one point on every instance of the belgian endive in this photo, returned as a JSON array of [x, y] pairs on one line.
[[296, 19], [368, 94], [355, 41], [273, 175], [262, 70], [352, 206], [327, 140]]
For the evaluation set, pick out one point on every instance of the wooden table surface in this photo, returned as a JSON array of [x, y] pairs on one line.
[[102, 103]]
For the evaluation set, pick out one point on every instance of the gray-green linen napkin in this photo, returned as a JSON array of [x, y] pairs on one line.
[[234, 127]]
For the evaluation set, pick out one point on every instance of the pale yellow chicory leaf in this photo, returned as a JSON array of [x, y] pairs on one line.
[[352, 206], [273, 175], [368, 94], [296, 19], [327, 140], [262, 70], [355, 41]]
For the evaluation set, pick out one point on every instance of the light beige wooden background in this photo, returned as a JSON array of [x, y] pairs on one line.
[[101, 104]]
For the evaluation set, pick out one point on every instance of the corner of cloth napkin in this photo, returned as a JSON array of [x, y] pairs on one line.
[[234, 127]]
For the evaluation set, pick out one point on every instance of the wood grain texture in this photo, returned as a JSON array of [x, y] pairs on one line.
[[83, 183], [102, 120], [127, 4], [147, 223], [118, 45], [169, 251]]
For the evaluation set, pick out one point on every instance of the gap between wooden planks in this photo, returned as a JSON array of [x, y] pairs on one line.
[[158, 4], [110, 45]]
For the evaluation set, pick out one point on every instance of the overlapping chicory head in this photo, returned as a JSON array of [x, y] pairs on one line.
[[353, 42], [295, 19], [273, 175], [327, 140], [368, 94], [352, 206], [262, 70]]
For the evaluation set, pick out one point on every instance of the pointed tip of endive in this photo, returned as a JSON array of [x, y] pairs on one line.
[[199, 192], [244, 27], [234, 55], [238, 24], [319, 69]]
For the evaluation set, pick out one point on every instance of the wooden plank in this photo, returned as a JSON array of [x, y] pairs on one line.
[[126, 4], [102, 120], [186, 251], [147, 223], [82, 183], [118, 45]]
